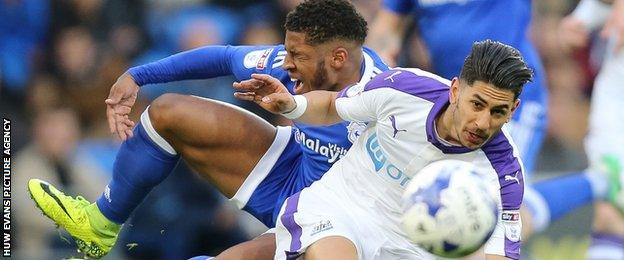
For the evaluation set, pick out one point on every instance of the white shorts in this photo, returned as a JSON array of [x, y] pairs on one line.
[[323, 210], [319, 212]]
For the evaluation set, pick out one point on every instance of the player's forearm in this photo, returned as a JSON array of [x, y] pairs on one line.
[[200, 63], [321, 108]]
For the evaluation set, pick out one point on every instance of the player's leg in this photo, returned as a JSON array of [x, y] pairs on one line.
[[605, 149], [320, 223], [607, 239], [211, 136], [260, 248], [333, 247], [221, 142], [547, 200]]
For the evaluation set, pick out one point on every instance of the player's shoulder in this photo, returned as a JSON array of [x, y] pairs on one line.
[[410, 81], [502, 153]]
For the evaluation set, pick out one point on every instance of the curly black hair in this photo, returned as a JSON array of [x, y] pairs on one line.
[[326, 20], [496, 63]]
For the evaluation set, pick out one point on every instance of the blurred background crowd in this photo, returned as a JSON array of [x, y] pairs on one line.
[[59, 58]]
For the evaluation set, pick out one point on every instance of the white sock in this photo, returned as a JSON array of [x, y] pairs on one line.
[[540, 212], [598, 183]]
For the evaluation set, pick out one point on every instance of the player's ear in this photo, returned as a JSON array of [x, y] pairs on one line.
[[515, 105], [454, 91], [339, 57], [513, 109]]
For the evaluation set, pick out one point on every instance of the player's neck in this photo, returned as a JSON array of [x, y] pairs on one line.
[[351, 70], [444, 121]]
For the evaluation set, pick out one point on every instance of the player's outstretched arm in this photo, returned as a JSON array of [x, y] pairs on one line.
[[121, 98], [201, 63], [315, 107]]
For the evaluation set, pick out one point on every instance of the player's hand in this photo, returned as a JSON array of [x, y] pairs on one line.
[[266, 91], [119, 104], [614, 27], [573, 34]]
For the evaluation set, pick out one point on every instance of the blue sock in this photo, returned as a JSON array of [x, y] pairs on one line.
[[140, 165], [565, 194]]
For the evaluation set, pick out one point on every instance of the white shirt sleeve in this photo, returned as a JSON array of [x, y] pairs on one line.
[[356, 105]]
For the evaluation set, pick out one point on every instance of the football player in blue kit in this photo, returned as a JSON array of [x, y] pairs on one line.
[[448, 28], [250, 161]]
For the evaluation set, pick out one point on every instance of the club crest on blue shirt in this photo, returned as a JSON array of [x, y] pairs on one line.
[[257, 59], [355, 130]]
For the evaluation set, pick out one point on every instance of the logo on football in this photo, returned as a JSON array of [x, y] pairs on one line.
[[448, 209]]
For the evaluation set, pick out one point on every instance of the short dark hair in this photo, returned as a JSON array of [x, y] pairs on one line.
[[326, 20], [498, 64]]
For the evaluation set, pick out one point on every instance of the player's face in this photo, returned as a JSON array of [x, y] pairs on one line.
[[480, 111], [305, 63]]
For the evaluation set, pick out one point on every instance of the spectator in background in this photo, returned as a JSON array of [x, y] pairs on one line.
[[262, 26], [185, 29], [114, 23], [22, 34], [75, 56], [43, 93], [50, 155], [85, 72]]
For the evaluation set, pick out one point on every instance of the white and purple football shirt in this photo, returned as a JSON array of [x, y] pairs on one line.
[[400, 107]]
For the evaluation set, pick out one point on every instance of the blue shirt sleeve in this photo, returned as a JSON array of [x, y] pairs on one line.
[[403, 7], [206, 62]]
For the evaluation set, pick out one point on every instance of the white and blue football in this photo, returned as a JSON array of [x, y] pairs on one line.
[[449, 209]]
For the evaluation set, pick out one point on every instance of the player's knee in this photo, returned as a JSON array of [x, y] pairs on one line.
[[263, 248], [332, 247], [163, 110]]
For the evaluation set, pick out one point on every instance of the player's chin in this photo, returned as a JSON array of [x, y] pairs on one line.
[[472, 146], [473, 142]]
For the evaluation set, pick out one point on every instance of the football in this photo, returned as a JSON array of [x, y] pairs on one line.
[[448, 209]]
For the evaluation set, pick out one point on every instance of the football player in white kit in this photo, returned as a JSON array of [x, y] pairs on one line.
[[413, 118]]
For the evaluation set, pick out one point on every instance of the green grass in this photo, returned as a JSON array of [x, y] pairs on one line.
[[567, 248]]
